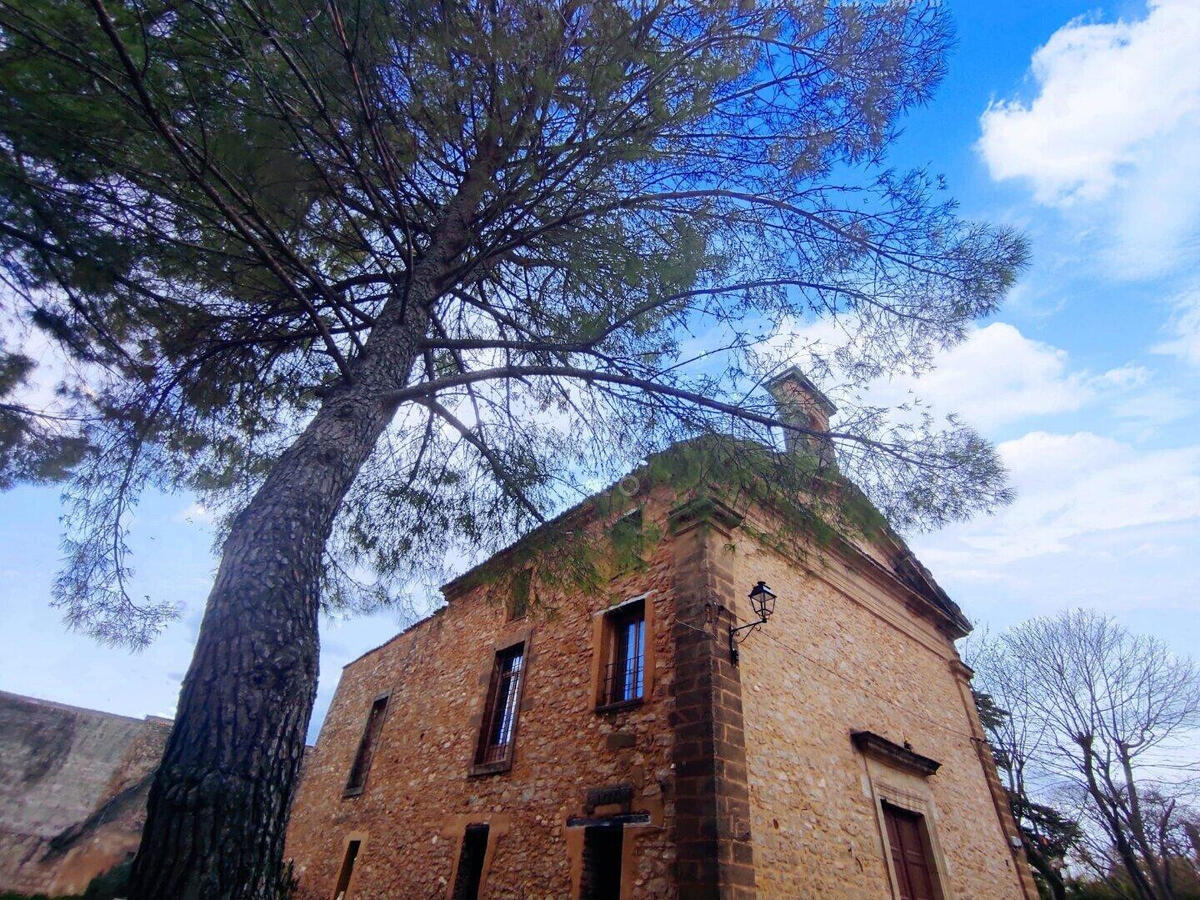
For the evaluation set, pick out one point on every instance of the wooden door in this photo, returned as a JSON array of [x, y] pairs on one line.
[[910, 854], [470, 863]]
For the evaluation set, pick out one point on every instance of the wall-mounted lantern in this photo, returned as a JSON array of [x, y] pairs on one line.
[[762, 601]]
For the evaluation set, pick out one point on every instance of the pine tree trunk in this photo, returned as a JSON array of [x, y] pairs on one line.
[[218, 807]]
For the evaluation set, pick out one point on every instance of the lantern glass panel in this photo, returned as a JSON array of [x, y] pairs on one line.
[[762, 600]]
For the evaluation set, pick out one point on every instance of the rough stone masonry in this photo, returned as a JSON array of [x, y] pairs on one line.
[[840, 757], [73, 787]]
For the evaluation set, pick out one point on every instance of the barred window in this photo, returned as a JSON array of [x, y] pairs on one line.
[[500, 713], [624, 680]]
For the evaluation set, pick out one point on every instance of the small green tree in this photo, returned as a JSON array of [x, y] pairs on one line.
[[376, 277]]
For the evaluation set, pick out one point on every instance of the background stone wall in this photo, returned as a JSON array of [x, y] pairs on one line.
[[73, 786]]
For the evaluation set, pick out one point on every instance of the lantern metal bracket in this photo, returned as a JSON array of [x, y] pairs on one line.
[[734, 640]]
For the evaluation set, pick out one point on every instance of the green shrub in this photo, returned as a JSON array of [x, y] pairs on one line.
[[111, 884]]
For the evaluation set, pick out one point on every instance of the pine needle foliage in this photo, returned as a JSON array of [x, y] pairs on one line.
[[211, 204]]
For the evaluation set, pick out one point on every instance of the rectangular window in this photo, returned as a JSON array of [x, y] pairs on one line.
[[601, 877], [343, 882], [916, 876], [625, 675], [470, 863], [519, 591], [628, 540], [366, 747], [500, 713]]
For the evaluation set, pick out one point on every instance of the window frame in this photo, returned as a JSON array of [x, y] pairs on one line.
[[345, 873], [481, 765], [617, 623], [471, 828], [603, 653], [367, 745]]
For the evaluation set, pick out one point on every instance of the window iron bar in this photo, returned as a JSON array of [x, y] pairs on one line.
[[624, 680], [502, 709]]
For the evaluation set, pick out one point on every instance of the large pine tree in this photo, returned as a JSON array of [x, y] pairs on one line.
[[377, 276]]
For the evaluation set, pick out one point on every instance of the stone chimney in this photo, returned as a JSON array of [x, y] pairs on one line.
[[801, 402]]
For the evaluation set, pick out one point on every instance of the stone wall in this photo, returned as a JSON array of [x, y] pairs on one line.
[[73, 786], [420, 794], [715, 856], [747, 773], [845, 652]]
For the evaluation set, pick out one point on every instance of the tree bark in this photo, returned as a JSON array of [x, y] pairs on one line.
[[218, 806]]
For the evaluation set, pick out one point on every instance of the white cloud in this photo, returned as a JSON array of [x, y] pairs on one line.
[[1185, 328], [996, 377], [1154, 407], [999, 376], [1113, 133], [1103, 517], [1070, 486]]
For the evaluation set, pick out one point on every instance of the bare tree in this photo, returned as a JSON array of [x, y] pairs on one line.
[[1016, 740], [1109, 718]]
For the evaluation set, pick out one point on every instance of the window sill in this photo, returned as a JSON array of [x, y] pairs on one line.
[[620, 705], [495, 768]]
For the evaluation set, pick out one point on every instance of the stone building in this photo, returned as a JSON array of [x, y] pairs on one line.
[[73, 789], [538, 737]]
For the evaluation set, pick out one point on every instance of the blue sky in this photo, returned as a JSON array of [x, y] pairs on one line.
[[1079, 124]]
